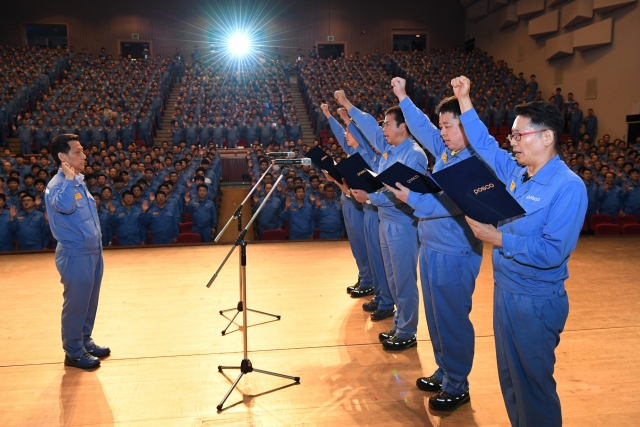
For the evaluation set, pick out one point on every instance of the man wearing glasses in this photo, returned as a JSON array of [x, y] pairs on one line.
[[530, 253]]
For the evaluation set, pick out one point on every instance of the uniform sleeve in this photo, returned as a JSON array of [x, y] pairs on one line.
[[384, 198], [338, 132], [61, 198], [421, 128], [559, 233], [370, 129], [44, 232], [432, 206], [145, 218], [214, 216], [486, 146]]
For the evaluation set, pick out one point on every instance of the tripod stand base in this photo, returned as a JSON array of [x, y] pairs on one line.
[[239, 310], [245, 368]]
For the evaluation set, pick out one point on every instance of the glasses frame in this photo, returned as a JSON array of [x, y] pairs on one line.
[[518, 136]]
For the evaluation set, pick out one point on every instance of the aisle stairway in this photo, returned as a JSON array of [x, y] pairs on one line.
[[308, 135], [163, 134]]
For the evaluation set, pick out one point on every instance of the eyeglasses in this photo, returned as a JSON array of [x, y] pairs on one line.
[[518, 136]]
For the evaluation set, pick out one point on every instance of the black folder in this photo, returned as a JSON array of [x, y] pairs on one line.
[[324, 161], [355, 171], [477, 192], [408, 177]]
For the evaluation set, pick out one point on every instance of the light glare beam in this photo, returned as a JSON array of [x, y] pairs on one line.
[[239, 44]]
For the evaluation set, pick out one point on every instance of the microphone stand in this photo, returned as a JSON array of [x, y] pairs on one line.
[[240, 307], [245, 365]]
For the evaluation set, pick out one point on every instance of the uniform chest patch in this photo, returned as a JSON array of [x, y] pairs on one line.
[[78, 196]]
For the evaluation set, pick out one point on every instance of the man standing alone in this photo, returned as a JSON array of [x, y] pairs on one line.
[[75, 225]]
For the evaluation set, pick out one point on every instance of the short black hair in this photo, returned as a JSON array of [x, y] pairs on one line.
[[449, 105], [161, 192], [13, 179], [127, 193], [397, 112], [543, 115], [202, 185], [295, 189], [60, 144]]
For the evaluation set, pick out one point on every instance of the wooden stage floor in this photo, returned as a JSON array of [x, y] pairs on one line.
[[164, 330]]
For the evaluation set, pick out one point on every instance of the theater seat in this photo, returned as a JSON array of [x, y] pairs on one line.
[[316, 233], [503, 130], [114, 241], [325, 133], [627, 219], [599, 219], [187, 217], [188, 238], [493, 130], [607, 230], [185, 227], [277, 234], [631, 230]]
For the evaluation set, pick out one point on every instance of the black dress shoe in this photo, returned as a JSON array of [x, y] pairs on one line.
[[360, 292], [98, 351], [383, 336], [370, 306], [429, 383], [443, 401], [86, 361], [352, 287], [382, 314], [398, 344]]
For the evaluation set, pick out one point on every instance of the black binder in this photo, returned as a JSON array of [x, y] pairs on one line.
[[324, 161]]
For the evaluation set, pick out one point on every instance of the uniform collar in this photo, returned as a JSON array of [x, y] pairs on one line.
[[547, 171]]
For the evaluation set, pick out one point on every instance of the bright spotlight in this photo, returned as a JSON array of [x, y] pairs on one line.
[[239, 44]]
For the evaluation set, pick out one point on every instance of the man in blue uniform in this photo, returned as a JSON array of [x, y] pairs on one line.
[[269, 216], [530, 254], [631, 196], [125, 222], [328, 214], [6, 236], [300, 216], [398, 225], [161, 219], [103, 217], [450, 255], [609, 197], [28, 225], [203, 213], [75, 225]]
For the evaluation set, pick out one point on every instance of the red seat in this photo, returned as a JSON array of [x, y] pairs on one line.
[[316, 233], [114, 241], [607, 230], [631, 230], [277, 234], [242, 143], [324, 141], [564, 137], [185, 227], [188, 238], [599, 219], [286, 226], [627, 219], [325, 133], [493, 130], [503, 130], [187, 217]]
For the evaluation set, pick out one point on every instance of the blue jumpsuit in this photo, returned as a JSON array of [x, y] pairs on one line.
[[203, 216], [450, 258], [610, 201], [354, 221], [300, 218], [75, 225], [269, 216], [530, 301], [398, 225], [125, 223], [30, 230], [162, 222], [631, 199], [328, 218], [6, 236]]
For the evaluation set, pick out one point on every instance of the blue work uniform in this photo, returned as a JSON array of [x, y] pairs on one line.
[[162, 222], [203, 216], [126, 224], [75, 225], [610, 200], [398, 225], [631, 199], [269, 216], [328, 219], [30, 230], [105, 227], [6, 236], [530, 300], [450, 258], [300, 218], [354, 222]]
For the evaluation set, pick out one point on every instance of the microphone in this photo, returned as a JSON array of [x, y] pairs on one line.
[[304, 162], [283, 154]]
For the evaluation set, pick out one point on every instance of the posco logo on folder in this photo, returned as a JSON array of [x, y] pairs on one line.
[[410, 180], [361, 172], [483, 188]]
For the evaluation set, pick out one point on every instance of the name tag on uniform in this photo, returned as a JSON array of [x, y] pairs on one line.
[[20, 218], [78, 196], [121, 214], [156, 213]]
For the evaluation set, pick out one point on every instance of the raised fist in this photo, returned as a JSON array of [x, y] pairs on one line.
[[340, 96], [325, 110], [461, 86], [399, 86]]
